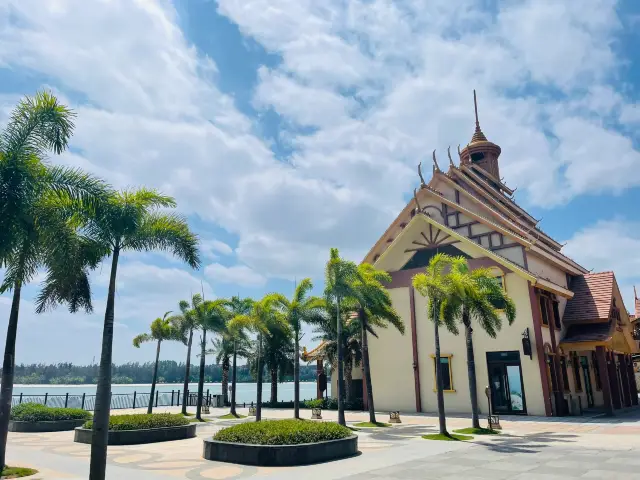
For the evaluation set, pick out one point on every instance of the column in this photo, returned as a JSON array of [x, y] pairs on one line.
[[626, 397], [604, 379], [632, 381], [613, 380]]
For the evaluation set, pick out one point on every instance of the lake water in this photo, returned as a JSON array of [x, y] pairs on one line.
[[245, 392]]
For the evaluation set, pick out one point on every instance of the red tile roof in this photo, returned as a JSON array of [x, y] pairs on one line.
[[593, 295]]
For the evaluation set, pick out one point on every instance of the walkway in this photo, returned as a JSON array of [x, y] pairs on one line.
[[529, 448]]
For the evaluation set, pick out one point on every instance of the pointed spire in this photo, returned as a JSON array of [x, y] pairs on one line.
[[478, 136]]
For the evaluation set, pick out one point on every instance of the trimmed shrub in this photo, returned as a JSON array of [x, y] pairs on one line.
[[318, 403], [143, 421], [282, 432], [34, 412]]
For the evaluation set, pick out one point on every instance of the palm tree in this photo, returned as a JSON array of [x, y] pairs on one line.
[[211, 316], [161, 329], [185, 323], [340, 276], [37, 226], [437, 287], [277, 354], [223, 349], [300, 309], [239, 307], [129, 220], [478, 297], [263, 318], [375, 310]]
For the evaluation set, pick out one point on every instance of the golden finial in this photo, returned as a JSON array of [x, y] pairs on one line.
[[478, 136]]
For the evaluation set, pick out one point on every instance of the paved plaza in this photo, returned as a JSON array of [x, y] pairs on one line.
[[529, 448]]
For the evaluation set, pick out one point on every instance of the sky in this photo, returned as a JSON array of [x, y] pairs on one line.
[[286, 127]]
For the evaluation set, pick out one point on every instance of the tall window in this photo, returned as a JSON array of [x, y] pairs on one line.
[[544, 311], [556, 316], [576, 371], [565, 375], [445, 369], [498, 277], [596, 370]]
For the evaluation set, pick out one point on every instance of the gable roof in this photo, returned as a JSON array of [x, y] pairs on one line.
[[637, 311], [593, 296], [508, 264]]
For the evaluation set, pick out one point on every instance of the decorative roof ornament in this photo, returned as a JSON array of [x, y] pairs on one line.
[[436, 167], [478, 136], [449, 154], [422, 182], [459, 153], [415, 197]]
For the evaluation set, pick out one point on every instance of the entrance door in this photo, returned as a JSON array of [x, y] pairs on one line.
[[505, 380], [584, 362]]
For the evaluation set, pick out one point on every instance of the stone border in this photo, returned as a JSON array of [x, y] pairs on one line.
[[280, 455], [50, 426], [135, 437]]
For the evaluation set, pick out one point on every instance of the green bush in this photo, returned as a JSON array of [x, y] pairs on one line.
[[143, 421], [282, 432], [34, 412], [317, 403]]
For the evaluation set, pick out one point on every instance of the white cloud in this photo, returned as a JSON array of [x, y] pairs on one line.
[[236, 275], [209, 248], [610, 245]]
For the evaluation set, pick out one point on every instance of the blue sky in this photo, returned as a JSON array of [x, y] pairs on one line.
[[285, 127]]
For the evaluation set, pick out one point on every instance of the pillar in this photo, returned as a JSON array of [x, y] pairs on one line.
[[632, 381], [613, 380], [601, 358], [624, 376], [319, 372]]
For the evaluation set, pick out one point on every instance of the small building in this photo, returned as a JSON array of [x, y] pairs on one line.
[[570, 346]]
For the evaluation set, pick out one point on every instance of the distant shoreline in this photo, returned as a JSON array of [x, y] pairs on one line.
[[57, 385]]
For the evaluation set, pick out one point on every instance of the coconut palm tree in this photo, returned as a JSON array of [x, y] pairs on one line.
[[185, 323], [478, 297], [38, 230], [340, 276], [302, 308], [211, 316], [223, 349], [374, 310], [162, 329], [129, 220], [437, 287], [263, 318], [236, 332]]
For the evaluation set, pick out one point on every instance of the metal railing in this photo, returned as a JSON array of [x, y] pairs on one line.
[[118, 400]]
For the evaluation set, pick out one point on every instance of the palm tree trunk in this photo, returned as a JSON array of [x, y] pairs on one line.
[[8, 371], [233, 380], [367, 370], [441, 417], [225, 379], [155, 379], [274, 386], [187, 372], [296, 375], [259, 381], [340, 386], [348, 379], [471, 369], [201, 377], [98, 467]]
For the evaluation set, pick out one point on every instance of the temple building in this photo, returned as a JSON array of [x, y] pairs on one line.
[[569, 348]]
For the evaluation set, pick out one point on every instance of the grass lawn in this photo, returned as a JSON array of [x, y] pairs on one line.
[[371, 425], [17, 472], [195, 420], [188, 414], [477, 431], [229, 416], [452, 437]]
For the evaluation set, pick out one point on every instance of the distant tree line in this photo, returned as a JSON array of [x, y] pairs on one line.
[[169, 371]]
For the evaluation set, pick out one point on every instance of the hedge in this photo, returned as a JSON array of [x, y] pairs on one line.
[[34, 412], [282, 432], [143, 421], [325, 404]]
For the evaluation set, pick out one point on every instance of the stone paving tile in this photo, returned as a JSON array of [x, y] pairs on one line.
[[608, 475]]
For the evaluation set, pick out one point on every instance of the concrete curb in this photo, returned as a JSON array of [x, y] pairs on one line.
[[52, 426], [135, 437]]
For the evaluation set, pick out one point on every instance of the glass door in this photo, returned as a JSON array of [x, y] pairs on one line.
[[584, 362], [505, 380]]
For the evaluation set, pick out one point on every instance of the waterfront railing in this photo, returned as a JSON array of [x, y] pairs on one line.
[[134, 400]]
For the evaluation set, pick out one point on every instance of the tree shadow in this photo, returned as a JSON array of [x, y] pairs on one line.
[[530, 443]]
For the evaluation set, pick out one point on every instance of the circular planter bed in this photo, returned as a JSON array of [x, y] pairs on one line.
[[141, 428], [134, 437], [53, 426], [279, 443]]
